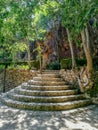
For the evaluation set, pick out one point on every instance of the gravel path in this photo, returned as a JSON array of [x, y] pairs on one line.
[[81, 119]]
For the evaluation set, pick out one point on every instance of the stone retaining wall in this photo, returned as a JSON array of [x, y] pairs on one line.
[[68, 76], [15, 77]]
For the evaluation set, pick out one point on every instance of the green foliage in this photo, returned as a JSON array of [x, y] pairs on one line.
[[76, 14], [2, 66], [39, 56], [25, 20], [17, 47], [31, 19], [66, 63], [95, 63], [54, 66], [8, 52], [35, 64], [19, 67], [15, 26], [39, 52], [81, 62], [94, 91]]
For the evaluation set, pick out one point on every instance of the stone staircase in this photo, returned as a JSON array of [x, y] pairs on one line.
[[46, 92]]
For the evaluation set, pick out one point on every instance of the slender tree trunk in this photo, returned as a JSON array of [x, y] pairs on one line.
[[91, 33], [88, 42], [85, 78], [28, 53], [4, 80], [87, 52], [71, 49]]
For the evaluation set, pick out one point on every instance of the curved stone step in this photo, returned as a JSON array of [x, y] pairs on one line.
[[44, 93], [46, 88], [49, 75], [52, 83], [45, 106], [50, 72], [47, 79], [44, 99]]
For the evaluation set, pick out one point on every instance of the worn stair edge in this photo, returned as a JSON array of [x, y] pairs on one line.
[[45, 98], [53, 72], [45, 93], [47, 79], [33, 87], [49, 75], [49, 71], [45, 106], [52, 83]]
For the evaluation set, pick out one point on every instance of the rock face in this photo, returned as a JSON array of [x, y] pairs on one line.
[[56, 46], [46, 92]]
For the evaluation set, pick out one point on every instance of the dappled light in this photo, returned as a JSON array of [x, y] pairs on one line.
[[13, 119]]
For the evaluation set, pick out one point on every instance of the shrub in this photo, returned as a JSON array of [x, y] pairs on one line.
[[21, 65], [54, 66], [66, 63], [94, 91], [81, 62], [2, 66], [95, 63], [35, 64], [26, 67]]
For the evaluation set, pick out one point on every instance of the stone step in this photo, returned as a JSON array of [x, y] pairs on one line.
[[47, 79], [45, 106], [50, 72], [53, 75], [52, 83], [44, 99], [46, 88], [44, 93]]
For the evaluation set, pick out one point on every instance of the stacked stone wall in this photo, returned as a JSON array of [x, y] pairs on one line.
[[68, 76], [15, 77]]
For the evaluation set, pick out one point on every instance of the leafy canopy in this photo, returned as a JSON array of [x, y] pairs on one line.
[[25, 20]]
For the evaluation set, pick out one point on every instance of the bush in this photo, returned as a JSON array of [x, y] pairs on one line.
[[81, 62], [21, 65], [54, 66], [26, 67], [35, 64], [66, 63], [2, 66], [94, 91], [95, 63]]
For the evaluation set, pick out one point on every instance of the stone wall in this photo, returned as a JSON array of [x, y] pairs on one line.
[[15, 77], [68, 76]]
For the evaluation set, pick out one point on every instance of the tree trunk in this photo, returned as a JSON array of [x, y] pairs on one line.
[[28, 53], [87, 51], [71, 49], [85, 78], [88, 40]]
